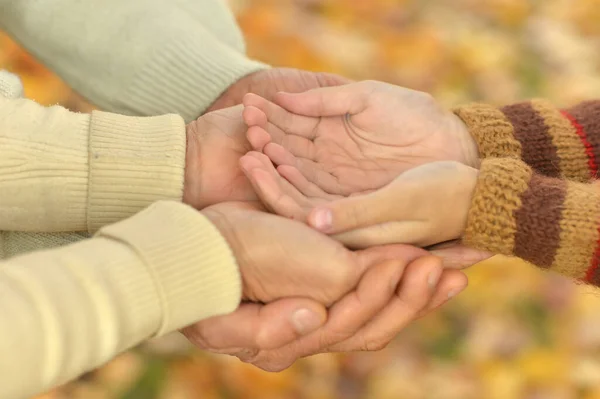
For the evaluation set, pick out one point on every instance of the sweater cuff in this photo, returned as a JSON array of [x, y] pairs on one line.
[[550, 141], [491, 130], [185, 76], [552, 223], [194, 272], [133, 163]]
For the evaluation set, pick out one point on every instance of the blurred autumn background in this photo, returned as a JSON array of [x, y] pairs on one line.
[[515, 333]]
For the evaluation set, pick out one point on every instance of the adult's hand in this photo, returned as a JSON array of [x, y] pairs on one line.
[[279, 258], [215, 143], [357, 137], [266, 83], [389, 296], [217, 139]]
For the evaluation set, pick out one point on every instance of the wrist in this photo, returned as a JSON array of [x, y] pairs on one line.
[[469, 182], [219, 215], [191, 185], [468, 144]]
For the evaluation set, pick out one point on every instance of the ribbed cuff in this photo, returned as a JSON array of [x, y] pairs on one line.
[[133, 163], [194, 271], [491, 222], [491, 130], [185, 76]]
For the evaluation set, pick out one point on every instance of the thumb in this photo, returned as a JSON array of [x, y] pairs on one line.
[[327, 101], [258, 326], [354, 212]]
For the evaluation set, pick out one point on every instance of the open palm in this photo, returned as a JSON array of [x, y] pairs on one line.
[[353, 138]]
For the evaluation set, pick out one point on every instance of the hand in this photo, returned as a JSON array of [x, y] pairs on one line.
[[357, 137], [389, 296], [215, 143], [281, 258], [424, 206], [268, 82], [217, 139], [283, 198]]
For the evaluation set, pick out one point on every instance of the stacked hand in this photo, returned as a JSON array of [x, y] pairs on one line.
[[371, 294], [305, 293], [369, 162], [217, 140]]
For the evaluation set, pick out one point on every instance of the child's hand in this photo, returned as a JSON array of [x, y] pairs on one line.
[[357, 137], [424, 206]]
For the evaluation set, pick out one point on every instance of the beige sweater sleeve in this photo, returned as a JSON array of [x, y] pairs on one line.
[[68, 310], [135, 57], [62, 171]]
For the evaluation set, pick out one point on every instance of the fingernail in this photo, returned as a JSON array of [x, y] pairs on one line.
[[433, 278], [305, 321], [454, 293], [322, 219]]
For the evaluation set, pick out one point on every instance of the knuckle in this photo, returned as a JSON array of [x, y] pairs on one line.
[[195, 335], [354, 213], [376, 345], [344, 275], [247, 355]]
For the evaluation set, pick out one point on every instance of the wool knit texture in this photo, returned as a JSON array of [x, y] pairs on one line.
[[537, 197]]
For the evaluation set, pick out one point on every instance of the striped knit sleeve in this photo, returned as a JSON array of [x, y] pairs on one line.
[[554, 142], [552, 223]]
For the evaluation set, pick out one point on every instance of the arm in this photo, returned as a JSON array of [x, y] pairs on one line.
[[68, 310], [62, 171], [135, 57], [554, 142], [552, 223]]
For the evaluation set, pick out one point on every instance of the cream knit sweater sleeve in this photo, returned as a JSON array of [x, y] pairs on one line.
[[135, 57], [68, 310], [63, 171]]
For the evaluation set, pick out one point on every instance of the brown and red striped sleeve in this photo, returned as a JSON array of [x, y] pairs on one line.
[[550, 222], [554, 142]]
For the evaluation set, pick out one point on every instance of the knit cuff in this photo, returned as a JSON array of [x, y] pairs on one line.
[[550, 141], [491, 130], [133, 162], [194, 272], [185, 76], [552, 223]]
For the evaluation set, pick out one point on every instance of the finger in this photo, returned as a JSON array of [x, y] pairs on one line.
[[331, 79], [347, 316], [254, 117], [413, 294], [274, 191], [297, 179], [258, 327], [327, 101], [357, 212], [298, 146], [288, 122], [375, 255], [460, 256], [452, 283], [258, 138], [311, 170], [413, 232]]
